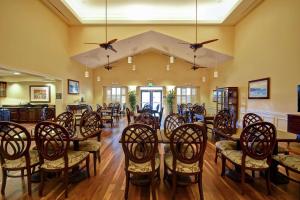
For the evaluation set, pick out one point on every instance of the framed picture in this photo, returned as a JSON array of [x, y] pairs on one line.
[[214, 95], [39, 93], [259, 89], [3, 86], [73, 87]]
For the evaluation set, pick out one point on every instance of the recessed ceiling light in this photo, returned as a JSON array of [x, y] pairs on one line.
[[16, 73]]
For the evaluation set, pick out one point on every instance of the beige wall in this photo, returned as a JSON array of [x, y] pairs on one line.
[[18, 93], [267, 45], [35, 40]]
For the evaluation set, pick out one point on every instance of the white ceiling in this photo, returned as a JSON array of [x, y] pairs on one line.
[[152, 11], [151, 40]]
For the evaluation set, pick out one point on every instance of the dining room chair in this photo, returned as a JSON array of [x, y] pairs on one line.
[[187, 144], [15, 153], [223, 121], [198, 112], [148, 119], [66, 120], [53, 142], [108, 117], [116, 111], [257, 142], [47, 114], [289, 162], [140, 146], [128, 115], [90, 127]]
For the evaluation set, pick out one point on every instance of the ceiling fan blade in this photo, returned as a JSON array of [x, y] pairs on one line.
[[208, 41], [112, 41], [112, 48], [184, 43], [92, 43]]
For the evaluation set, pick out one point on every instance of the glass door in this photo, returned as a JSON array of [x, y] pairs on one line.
[[151, 97]]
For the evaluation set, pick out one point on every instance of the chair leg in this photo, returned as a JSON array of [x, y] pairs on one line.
[[268, 181], [99, 156], [127, 186], [165, 173], [242, 180], [29, 180], [42, 183], [200, 186], [153, 186], [223, 166], [253, 173], [4, 178], [66, 181], [174, 185], [95, 162], [216, 156], [88, 166]]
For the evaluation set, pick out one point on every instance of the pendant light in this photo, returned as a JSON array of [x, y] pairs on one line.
[[203, 79], [86, 73], [98, 78], [129, 59], [171, 59], [168, 67], [133, 68]]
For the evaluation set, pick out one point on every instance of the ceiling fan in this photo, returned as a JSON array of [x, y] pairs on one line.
[[108, 44], [195, 66], [195, 46], [108, 66]]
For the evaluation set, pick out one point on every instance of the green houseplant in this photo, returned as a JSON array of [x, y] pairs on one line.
[[170, 100], [132, 100]]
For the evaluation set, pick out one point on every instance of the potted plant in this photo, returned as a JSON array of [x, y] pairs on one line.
[[132, 100], [170, 100]]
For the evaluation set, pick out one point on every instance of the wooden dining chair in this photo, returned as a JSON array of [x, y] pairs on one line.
[[47, 114], [257, 142], [140, 146], [53, 143], [108, 117], [223, 121], [187, 144], [66, 120], [15, 154], [148, 119], [289, 162], [90, 127], [251, 118], [128, 115]]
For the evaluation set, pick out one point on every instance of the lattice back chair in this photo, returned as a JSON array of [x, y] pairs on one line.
[[108, 117], [198, 112], [160, 116], [223, 121], [99, 108], [172, 121], [53, 142], [66, 120], [128, 115], [148, 119], [188, 144], [110, 105], [104, 105], [116, 111], [140, 146], [251, 118], [15, 154], [91, 127], [47, 114], [257, 142]]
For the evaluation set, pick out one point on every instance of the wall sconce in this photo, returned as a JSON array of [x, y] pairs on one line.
[[98, 78], [216, 74], [171, 59], [129, 59]]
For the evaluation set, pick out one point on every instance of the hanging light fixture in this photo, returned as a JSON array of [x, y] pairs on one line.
[[86, 73], [98, 78], [129, 59], [171, 59], [216, 74], [168, 67], [133, 68], [203, 79]]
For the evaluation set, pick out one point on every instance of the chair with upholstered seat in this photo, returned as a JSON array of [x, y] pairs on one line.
[[289, 162], [140, 146], [53, 142], [108, 117], [257, 142], [90, 127], [223, 121], [15, 153], [148, 119], [47, 114], [66, 120], [187, 144]]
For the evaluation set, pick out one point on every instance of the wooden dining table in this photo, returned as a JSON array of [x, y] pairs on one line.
[[281, 136]]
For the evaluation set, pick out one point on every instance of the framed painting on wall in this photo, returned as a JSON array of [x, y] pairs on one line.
[[259, 89], [73, 87], [3, 86], [39, 93]]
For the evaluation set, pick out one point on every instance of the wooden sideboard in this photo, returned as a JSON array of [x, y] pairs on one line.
[[26, 114], [294, 123]]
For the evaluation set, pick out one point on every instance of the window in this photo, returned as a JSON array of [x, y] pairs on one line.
[[116, 95], [186, 95]]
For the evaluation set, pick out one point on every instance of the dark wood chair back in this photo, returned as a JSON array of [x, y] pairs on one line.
[[110, 105], [14, 141], [251, 118], [139, 143], [128, 115], [258, 141], [172, 121], [66, 120], [161, 115], [90, 125], [104, 105], [52, 141], [99, 108], [224, 121], [146, 118], [47, 114], [188, 143]]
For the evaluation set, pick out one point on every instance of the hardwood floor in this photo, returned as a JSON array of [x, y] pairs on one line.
[[109, 184]]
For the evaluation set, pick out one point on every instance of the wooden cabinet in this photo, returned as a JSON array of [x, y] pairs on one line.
[[227, 98], [3, 86], [294, 123]]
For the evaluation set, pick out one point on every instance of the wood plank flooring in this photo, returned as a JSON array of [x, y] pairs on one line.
[[109, 184]]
